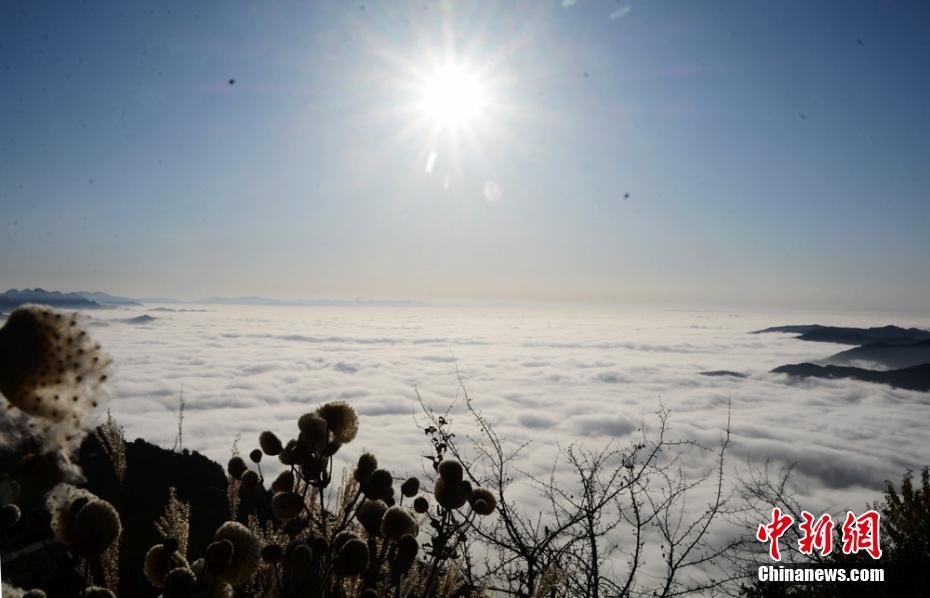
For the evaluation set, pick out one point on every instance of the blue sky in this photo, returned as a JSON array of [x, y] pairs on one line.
[[774, 153]]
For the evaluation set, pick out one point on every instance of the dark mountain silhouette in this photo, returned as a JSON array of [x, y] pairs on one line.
[[108, 299], [143, 319], [912, 378], [794, 329], [889, 355], [853, 336], [150, 472], [13, 298], [723, 373]]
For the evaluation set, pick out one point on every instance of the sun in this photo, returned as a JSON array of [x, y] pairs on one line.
[[452, 97]]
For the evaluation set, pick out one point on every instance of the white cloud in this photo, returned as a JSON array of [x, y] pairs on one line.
[[539, 376]]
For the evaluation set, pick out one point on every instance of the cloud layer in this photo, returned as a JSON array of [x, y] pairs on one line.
[[545, 376]]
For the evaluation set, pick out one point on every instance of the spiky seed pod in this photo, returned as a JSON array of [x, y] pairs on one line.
[[35, 593], [451, 471], [63, 503], [367, 463], [95, 592], [407, 549], [209, 585], [482, 501], [370, 514], [447, 495], [464, 489], [270, 443], [410, 488], [219, 556], [9, 516], [179, 582], [379, 484], [352, 558], [421, 505], [49, 366], [94, 527], [398, 522], [286, 505], [272, 553], [236, 467], [158, 562], [291, 453], [246, 552], [255, 456], [341, 538], [250, 480], [284, 482], [341, 419], [313, 431]]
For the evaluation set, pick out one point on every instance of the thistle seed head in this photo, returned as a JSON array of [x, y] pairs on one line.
[[49, 366], [179, 582], [379, 484], [421, 505], [246, 552], [159, 562], [398, 522], [410, 488], [341, 419], [284, 482], [219, 556], [451, 471], [270, 443], [370, 514], [250, 480], [482, 501], [286, 505], [313, 431], [236, 467], [367, 463]]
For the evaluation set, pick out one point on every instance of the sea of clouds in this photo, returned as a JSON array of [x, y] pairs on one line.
[[547, 376]]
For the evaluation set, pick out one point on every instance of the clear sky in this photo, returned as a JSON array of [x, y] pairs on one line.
[[754, 153]]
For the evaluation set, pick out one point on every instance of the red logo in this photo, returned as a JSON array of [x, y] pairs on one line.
[[859, 534], [771, 532], [862, 533]]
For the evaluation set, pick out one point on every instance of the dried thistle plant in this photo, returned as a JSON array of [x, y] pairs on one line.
[[109, 563], [111, 437], [175, 521]]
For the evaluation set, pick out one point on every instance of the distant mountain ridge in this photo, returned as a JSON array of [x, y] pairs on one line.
[[852, 336], [13, 298], [912, 378], [889, 355]]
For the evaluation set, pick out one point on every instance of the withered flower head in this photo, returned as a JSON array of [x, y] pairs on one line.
[[270, 443]]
